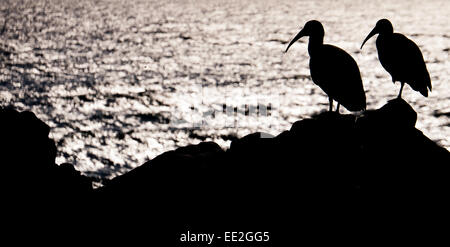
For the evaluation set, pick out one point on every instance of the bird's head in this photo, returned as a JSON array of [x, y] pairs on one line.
[[383, 26], [311, 28]]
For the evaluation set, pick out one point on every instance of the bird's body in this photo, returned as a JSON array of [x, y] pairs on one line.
[[333, 70], [337, 74], [401, 57]]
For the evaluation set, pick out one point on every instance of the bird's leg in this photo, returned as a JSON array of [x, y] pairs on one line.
[[331, 104], [401, 89], [337, 108]]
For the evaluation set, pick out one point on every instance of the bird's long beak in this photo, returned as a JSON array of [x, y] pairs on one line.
[[372, 33], [297, 37]]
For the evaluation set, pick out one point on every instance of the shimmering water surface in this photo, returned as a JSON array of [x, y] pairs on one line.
[[120, 82]]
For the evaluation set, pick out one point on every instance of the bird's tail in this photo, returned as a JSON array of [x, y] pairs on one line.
[[357, 103], [426, 84], [424, 92]]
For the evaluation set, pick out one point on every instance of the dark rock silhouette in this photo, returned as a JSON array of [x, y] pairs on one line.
[[354, 173], [351, 178], [337, 148], [179, 167], [401, 57], [27, 157], [333, 69]]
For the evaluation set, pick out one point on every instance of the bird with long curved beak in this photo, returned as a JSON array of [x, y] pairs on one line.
[[333, 69], [401, 57]]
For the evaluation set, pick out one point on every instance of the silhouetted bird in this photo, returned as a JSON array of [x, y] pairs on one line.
[[333, 69], [401, 57]]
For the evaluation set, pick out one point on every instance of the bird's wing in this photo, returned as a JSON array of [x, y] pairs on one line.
[[337, 73], [409, 59], [338, 65]]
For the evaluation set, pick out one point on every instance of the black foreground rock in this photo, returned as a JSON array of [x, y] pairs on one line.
[[28, 164], [380, 152], [330, 177]]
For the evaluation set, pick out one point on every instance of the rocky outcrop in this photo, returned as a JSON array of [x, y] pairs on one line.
[[380, 150], [330, 177], [333, 164], [339, 175], [27, 157], [345, 153]]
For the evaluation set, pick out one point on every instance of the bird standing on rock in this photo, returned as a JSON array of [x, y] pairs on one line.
[[401, 57], [333, 69]]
